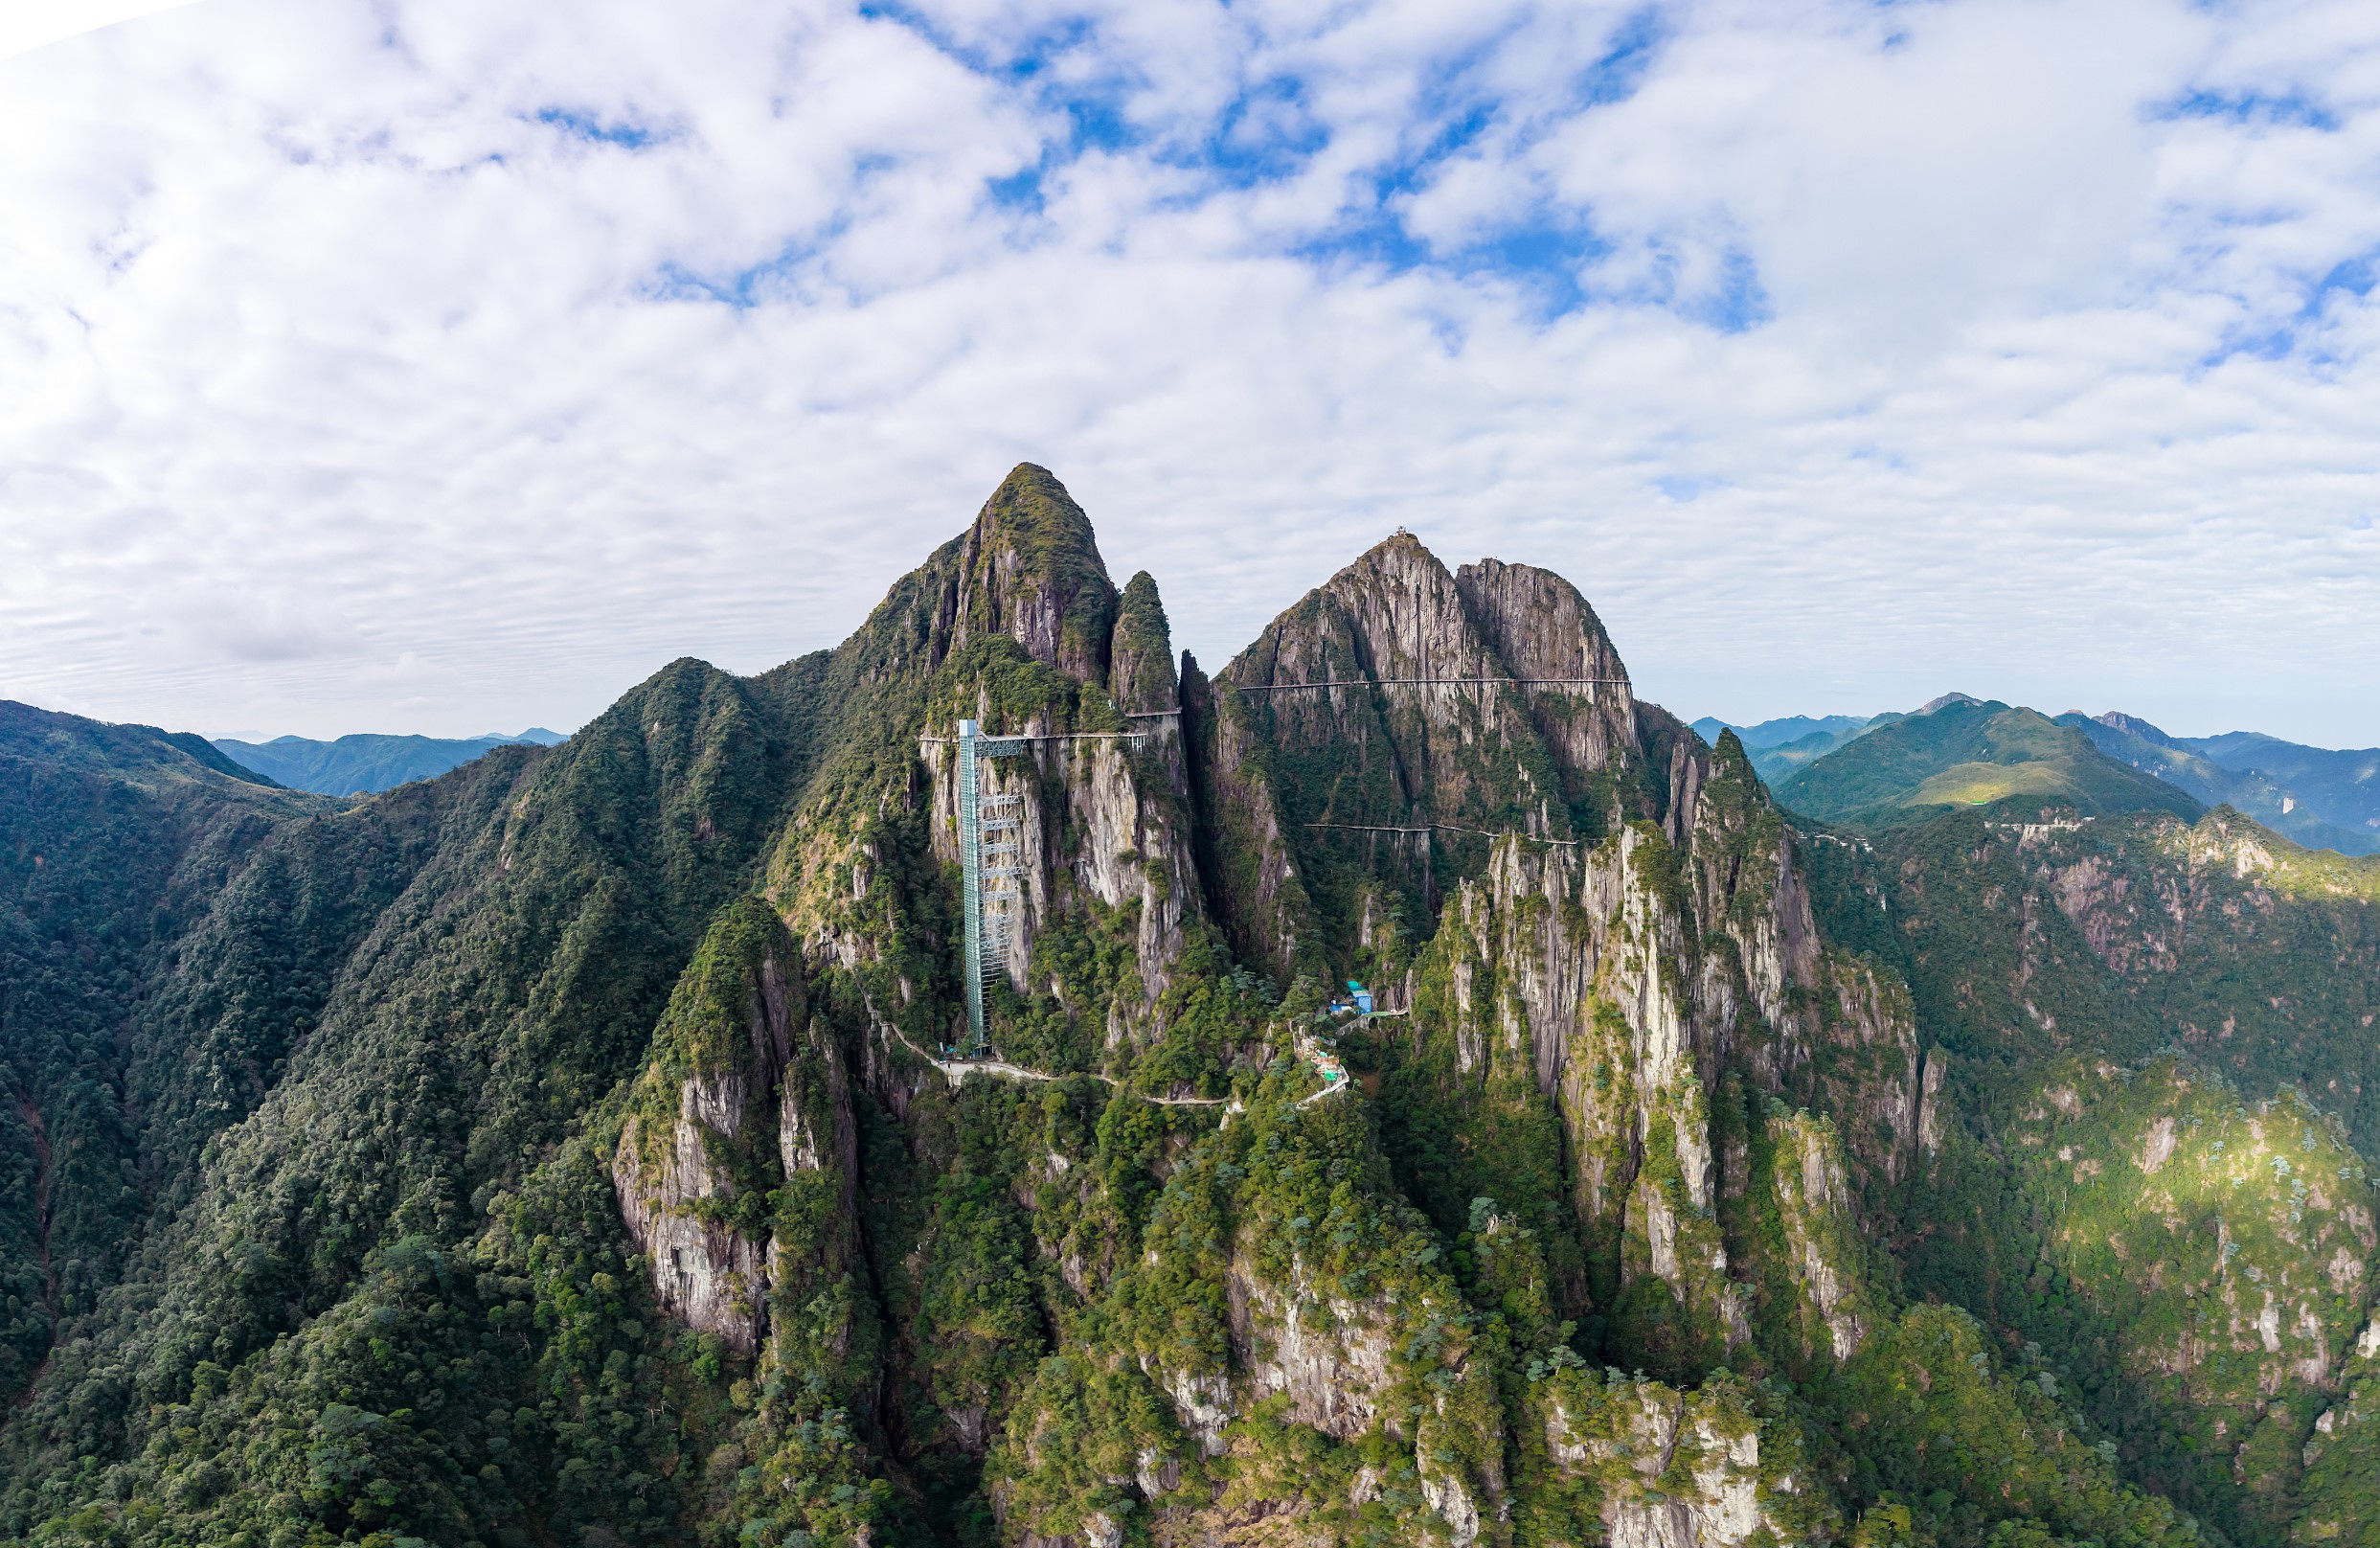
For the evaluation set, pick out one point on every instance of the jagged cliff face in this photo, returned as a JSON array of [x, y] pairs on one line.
[[1104, 843], [740, 1098], [1650, 995], [1016, 626], [1026, 570], [1574, 969], [1828, 1301], [1675, 1469], [1324, 798]]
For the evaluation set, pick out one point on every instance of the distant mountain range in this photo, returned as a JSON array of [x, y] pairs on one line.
[[366, 764], [2320, 797]]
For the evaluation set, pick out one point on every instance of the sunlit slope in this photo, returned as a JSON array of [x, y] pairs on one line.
[[1967, 754], [2167, 1095]]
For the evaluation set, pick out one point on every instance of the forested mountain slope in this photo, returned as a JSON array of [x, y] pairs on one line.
[[1962, 752], [559, 1150], [2161, 1038]]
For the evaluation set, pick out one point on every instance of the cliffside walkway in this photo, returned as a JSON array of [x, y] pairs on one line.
[[1325, 1064], [1449, 828], [1426, 682], [956, 1071]]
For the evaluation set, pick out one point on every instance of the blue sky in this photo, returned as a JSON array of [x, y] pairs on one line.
[[447, 367]]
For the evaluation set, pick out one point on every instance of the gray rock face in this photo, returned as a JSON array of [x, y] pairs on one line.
[[1538, 626], [1027, 568], [1321, 791], [1626, 976], [773, 1087], [1330, 1357], [704, 1273], [1101, 822], [1624, 917], [1106, 823], [1639, 1441], [1814, 1207]]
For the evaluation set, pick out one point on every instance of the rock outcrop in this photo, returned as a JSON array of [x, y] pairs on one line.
[[1013, 625], [1628, 981], [739, 1097], [1029, 569], [1103, 841], [1480, 704], [1828, 1301], [1667, 1468]]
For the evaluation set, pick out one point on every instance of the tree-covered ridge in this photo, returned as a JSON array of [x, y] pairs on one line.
[[512, 981], [565, 1150], [1967, 752], [116, 844], [144, 757]]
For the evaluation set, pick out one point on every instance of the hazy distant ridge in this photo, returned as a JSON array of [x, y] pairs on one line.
[[2323, 799], [365, 763]]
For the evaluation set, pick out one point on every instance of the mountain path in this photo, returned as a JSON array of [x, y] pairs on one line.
[[956, 1072]]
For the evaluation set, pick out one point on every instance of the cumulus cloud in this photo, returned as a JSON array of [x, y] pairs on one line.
[[429, 365]]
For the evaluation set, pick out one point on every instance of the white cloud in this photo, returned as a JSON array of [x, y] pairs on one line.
[[26, 25], [365, 367]]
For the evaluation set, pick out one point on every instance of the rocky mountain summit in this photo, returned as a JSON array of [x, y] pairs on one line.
[[571, 1148]]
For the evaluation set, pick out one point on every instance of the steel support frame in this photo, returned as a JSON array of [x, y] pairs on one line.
[[985, 881]]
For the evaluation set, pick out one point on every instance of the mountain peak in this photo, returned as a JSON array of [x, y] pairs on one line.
[[1028, 566], [1039, 521], [2117, 720], [1500, 708], [1399, 557]]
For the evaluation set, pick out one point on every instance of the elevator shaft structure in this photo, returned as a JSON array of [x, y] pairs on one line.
[[990, 848]]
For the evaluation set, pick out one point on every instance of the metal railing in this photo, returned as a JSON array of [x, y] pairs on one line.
[[1424, 682]]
